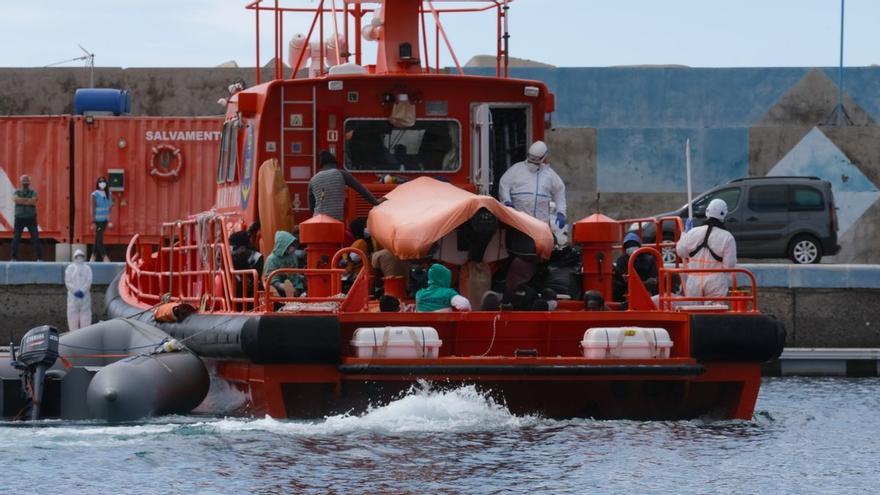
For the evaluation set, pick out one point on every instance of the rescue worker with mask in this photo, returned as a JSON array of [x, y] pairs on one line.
[[531, 185], [645, 265], [78, 279], [708, 246]]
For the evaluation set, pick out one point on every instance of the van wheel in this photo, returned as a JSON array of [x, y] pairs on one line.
[[805, 250], [668, 252], [668, 255]]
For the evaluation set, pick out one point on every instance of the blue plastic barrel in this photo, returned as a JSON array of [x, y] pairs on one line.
[[101, 100]]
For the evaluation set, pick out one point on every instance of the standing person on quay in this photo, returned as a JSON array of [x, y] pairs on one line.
[[102, 202], [25, 200], [78, 279]]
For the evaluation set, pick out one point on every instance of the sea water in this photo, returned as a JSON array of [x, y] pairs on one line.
[[807, 436]]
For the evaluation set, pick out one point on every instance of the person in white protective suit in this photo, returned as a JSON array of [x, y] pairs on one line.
[[78, 279], [531, 186], [708, 246]]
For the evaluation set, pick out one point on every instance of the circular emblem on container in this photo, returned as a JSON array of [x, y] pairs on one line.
[[166, 162]]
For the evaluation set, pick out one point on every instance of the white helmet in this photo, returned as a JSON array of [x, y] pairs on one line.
[[537, 152], [717, 209]]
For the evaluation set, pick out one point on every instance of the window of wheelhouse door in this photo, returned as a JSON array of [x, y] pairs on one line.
[[501, 134]]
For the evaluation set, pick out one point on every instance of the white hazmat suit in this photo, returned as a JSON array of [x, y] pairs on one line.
[[719, 242], [78, 279], [531, 185]]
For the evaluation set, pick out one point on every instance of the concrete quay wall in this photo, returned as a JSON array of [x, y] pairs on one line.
[[33, 294], [821, 305]]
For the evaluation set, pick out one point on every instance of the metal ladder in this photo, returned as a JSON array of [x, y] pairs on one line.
[[291, 124]]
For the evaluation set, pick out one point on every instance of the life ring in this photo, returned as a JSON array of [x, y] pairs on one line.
[[171, 173]]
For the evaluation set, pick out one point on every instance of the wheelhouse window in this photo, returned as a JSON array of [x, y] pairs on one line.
[[429, 145], [228, 152]]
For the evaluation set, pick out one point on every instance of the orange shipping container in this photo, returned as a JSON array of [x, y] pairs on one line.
[[40, 147], [169, 165]]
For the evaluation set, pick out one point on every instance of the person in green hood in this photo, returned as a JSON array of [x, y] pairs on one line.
[[438, 295], [283, 256]]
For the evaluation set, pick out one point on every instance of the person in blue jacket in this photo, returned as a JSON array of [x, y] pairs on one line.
[[102, 203]]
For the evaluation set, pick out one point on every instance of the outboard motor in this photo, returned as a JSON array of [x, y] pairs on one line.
[[37, 352]]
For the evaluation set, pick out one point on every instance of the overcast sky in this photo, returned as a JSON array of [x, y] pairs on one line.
[[574, 33]]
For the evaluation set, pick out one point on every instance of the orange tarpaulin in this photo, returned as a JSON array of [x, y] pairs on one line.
[[419, 213]]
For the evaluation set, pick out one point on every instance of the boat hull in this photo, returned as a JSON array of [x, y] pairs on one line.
[[681, 389], [302, 366]]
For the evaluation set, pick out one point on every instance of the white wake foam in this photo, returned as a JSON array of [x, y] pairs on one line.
[[462, 409], [422, 409]]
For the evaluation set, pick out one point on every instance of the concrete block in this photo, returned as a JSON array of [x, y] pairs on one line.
[[104, 273], [815, 276], [23, 307], [26, 272], [837, 317], [769, 275], [52, 273], [779, 302]]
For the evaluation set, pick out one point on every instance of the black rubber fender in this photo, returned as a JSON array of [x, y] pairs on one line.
[[292, 339], [753, 338]]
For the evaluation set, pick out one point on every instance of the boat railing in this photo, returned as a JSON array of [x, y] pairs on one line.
[[660, 244], [739, 298], [345, 23], [192, 263], [326, 280]]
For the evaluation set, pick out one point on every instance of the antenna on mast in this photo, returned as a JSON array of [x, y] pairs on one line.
[[89, 58]]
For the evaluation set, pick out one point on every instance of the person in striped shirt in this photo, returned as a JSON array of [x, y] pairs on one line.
[[327, 189]]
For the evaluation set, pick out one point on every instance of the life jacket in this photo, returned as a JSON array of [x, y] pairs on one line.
[[705, 244], [172, 312]]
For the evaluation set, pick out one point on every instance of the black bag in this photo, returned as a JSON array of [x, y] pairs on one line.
[[564, 280], [418, 279]]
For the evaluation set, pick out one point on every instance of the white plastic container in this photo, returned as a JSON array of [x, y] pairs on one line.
[[626, 343], [396, 342]]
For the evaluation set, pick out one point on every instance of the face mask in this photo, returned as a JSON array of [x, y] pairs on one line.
[[366, 233], [630, 250], [79, 260], [299, 253], [102, 185]]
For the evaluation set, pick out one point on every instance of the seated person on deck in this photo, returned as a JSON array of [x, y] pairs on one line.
[[245, 257], [645, 265], [438, 295], [284, 256]]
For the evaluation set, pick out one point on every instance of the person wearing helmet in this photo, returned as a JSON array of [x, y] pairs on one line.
[[531, 186], [78, 279], [708, 246], [645, 265]]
